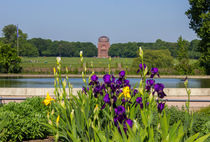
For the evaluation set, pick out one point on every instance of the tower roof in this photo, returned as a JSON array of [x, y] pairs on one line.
[[103, 39]]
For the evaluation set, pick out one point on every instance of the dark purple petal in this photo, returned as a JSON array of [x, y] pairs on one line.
[[154, 71], [161, 94], [84, 90], [138, 100], [113, 87], [150, 82], [141, 105], [135, 92], [104, 105], [107, 79], [129, 122], [160, 107], [122, 74], [119, 110], [113, 79], [116, 121], [94, 78], [159, 87], [140, 66], [123, 101], [121, 118], [106, 98], [114, 99], [147, 87], [126, 83]]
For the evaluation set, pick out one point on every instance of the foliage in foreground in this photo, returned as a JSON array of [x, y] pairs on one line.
[[21, 121]]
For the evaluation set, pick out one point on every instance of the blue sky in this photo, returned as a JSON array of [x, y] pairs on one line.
[[86, 20]]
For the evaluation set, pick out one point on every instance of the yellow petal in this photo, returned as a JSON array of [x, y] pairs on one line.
[[58, 118]]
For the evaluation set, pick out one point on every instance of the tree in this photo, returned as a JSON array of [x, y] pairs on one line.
[[10, 35], [200, 22], [29, 50], [155, 58], [41, 44], [9, 61], [183, 66]]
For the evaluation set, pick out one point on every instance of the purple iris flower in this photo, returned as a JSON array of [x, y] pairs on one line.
[[122, 74], [119, 83], [129, 122], [118, 92], [119, 119], [113, 79], [161, 94], [139, 101], [113, 87], [159, 89], [114, 100], [115, 120], [154, 71], [107, 79], [84, 90], [149, 84], [135, 92], [96, 90], [141, 68], [126, 83], [94, 78], [106, 98], [160, 107], [123, 101], [119, 110]]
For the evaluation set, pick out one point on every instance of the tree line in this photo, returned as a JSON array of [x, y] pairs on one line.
[[130, 49], [44, 47]]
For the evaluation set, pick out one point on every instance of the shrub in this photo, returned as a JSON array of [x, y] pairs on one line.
[[155, 58], [22, 120]]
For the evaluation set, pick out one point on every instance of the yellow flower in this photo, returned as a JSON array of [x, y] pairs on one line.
[[54, 70], [48, 99], [57, 120], [126, 92]]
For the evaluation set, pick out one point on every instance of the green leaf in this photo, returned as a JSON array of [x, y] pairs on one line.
[[192, 138], [203, 138]]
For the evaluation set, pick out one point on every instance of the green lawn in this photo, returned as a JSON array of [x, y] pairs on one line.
[[46, 64], [74, 62]]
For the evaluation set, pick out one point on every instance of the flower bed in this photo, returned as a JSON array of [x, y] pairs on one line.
[[113, 111], [105, 111]]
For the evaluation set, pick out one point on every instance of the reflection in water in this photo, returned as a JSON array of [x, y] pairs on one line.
[[78, 83]]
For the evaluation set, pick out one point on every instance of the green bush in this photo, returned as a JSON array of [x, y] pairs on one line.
[[155, 58], [201, 122], [22, 120]]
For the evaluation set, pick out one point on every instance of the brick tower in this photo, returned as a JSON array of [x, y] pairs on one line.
[[103, 47]]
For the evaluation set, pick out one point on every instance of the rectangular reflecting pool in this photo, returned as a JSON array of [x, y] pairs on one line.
[[78, 83]]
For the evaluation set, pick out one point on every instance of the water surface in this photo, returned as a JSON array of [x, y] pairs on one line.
[[78, 83]]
